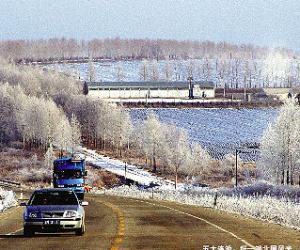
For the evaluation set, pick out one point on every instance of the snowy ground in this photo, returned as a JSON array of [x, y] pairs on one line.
[[134, 173], [7, 199]]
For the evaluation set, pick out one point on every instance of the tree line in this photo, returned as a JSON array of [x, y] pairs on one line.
[[274, 71], [118, 49]]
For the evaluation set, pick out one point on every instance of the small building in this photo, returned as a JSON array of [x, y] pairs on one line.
[[281, 93], [123, 90]]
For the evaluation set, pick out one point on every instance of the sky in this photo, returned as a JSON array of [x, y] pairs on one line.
[[273, 23]]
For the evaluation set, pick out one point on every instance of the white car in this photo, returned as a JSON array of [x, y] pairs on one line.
[[54, 210]]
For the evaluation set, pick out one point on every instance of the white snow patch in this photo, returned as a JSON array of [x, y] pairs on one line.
[[7, 199], [134, 173]]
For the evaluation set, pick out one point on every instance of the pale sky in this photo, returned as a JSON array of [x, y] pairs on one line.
[[262, 22]]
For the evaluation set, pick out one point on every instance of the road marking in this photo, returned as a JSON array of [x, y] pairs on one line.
[[11, 233], [18, 230], [204, 220], [119, 237]]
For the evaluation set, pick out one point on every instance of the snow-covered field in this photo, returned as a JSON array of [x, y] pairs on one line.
[[271, 209], [260, 71], [7, 199], [218, 130]]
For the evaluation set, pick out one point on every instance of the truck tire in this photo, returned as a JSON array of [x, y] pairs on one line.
[[28, 232]]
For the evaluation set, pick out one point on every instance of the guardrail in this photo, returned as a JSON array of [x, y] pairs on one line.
[[7, 183]]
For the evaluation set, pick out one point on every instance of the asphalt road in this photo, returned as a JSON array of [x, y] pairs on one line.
[[124, 223]]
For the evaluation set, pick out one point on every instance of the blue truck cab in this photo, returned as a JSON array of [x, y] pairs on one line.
[[69, 172]]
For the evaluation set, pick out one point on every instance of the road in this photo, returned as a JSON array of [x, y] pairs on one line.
[[125, 223]]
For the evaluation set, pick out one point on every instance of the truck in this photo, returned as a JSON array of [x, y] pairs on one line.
[[69, 172]]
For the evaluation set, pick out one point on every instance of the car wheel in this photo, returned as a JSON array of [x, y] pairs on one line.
[[28, 232], [80, 231]]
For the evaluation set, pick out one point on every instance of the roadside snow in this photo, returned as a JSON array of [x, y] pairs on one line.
[[133, 172], [7, 199], [281, 211]]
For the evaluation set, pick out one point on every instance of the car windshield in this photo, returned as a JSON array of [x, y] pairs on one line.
[[68, 174], [54, 198]]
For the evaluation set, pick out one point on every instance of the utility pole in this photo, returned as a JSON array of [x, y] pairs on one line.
[[238, 151]]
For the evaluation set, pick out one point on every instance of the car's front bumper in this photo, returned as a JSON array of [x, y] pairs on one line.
[[56, 225]]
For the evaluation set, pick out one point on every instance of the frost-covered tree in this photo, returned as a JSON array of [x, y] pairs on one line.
[[276, 67], [198, 162], [28, 118], [168, 69], [206, 69], [91, 70], [75, 132], [63, 134], [221, 72], [37, 120], [37, 82], [153, 139], [280, 147], [8, 120], [176, 149], [121, 128], [49, 157], [120, 76], [177, 70], [235, 70], [190, 68], [144, 70], [154, 72]]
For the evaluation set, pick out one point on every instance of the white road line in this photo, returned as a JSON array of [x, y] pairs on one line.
[[11, 233], [204, 220], [18, 230]]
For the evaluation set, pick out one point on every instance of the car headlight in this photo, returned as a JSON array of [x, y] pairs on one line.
[[60, 186], [32, 215], [70, 213], [80, 185]]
